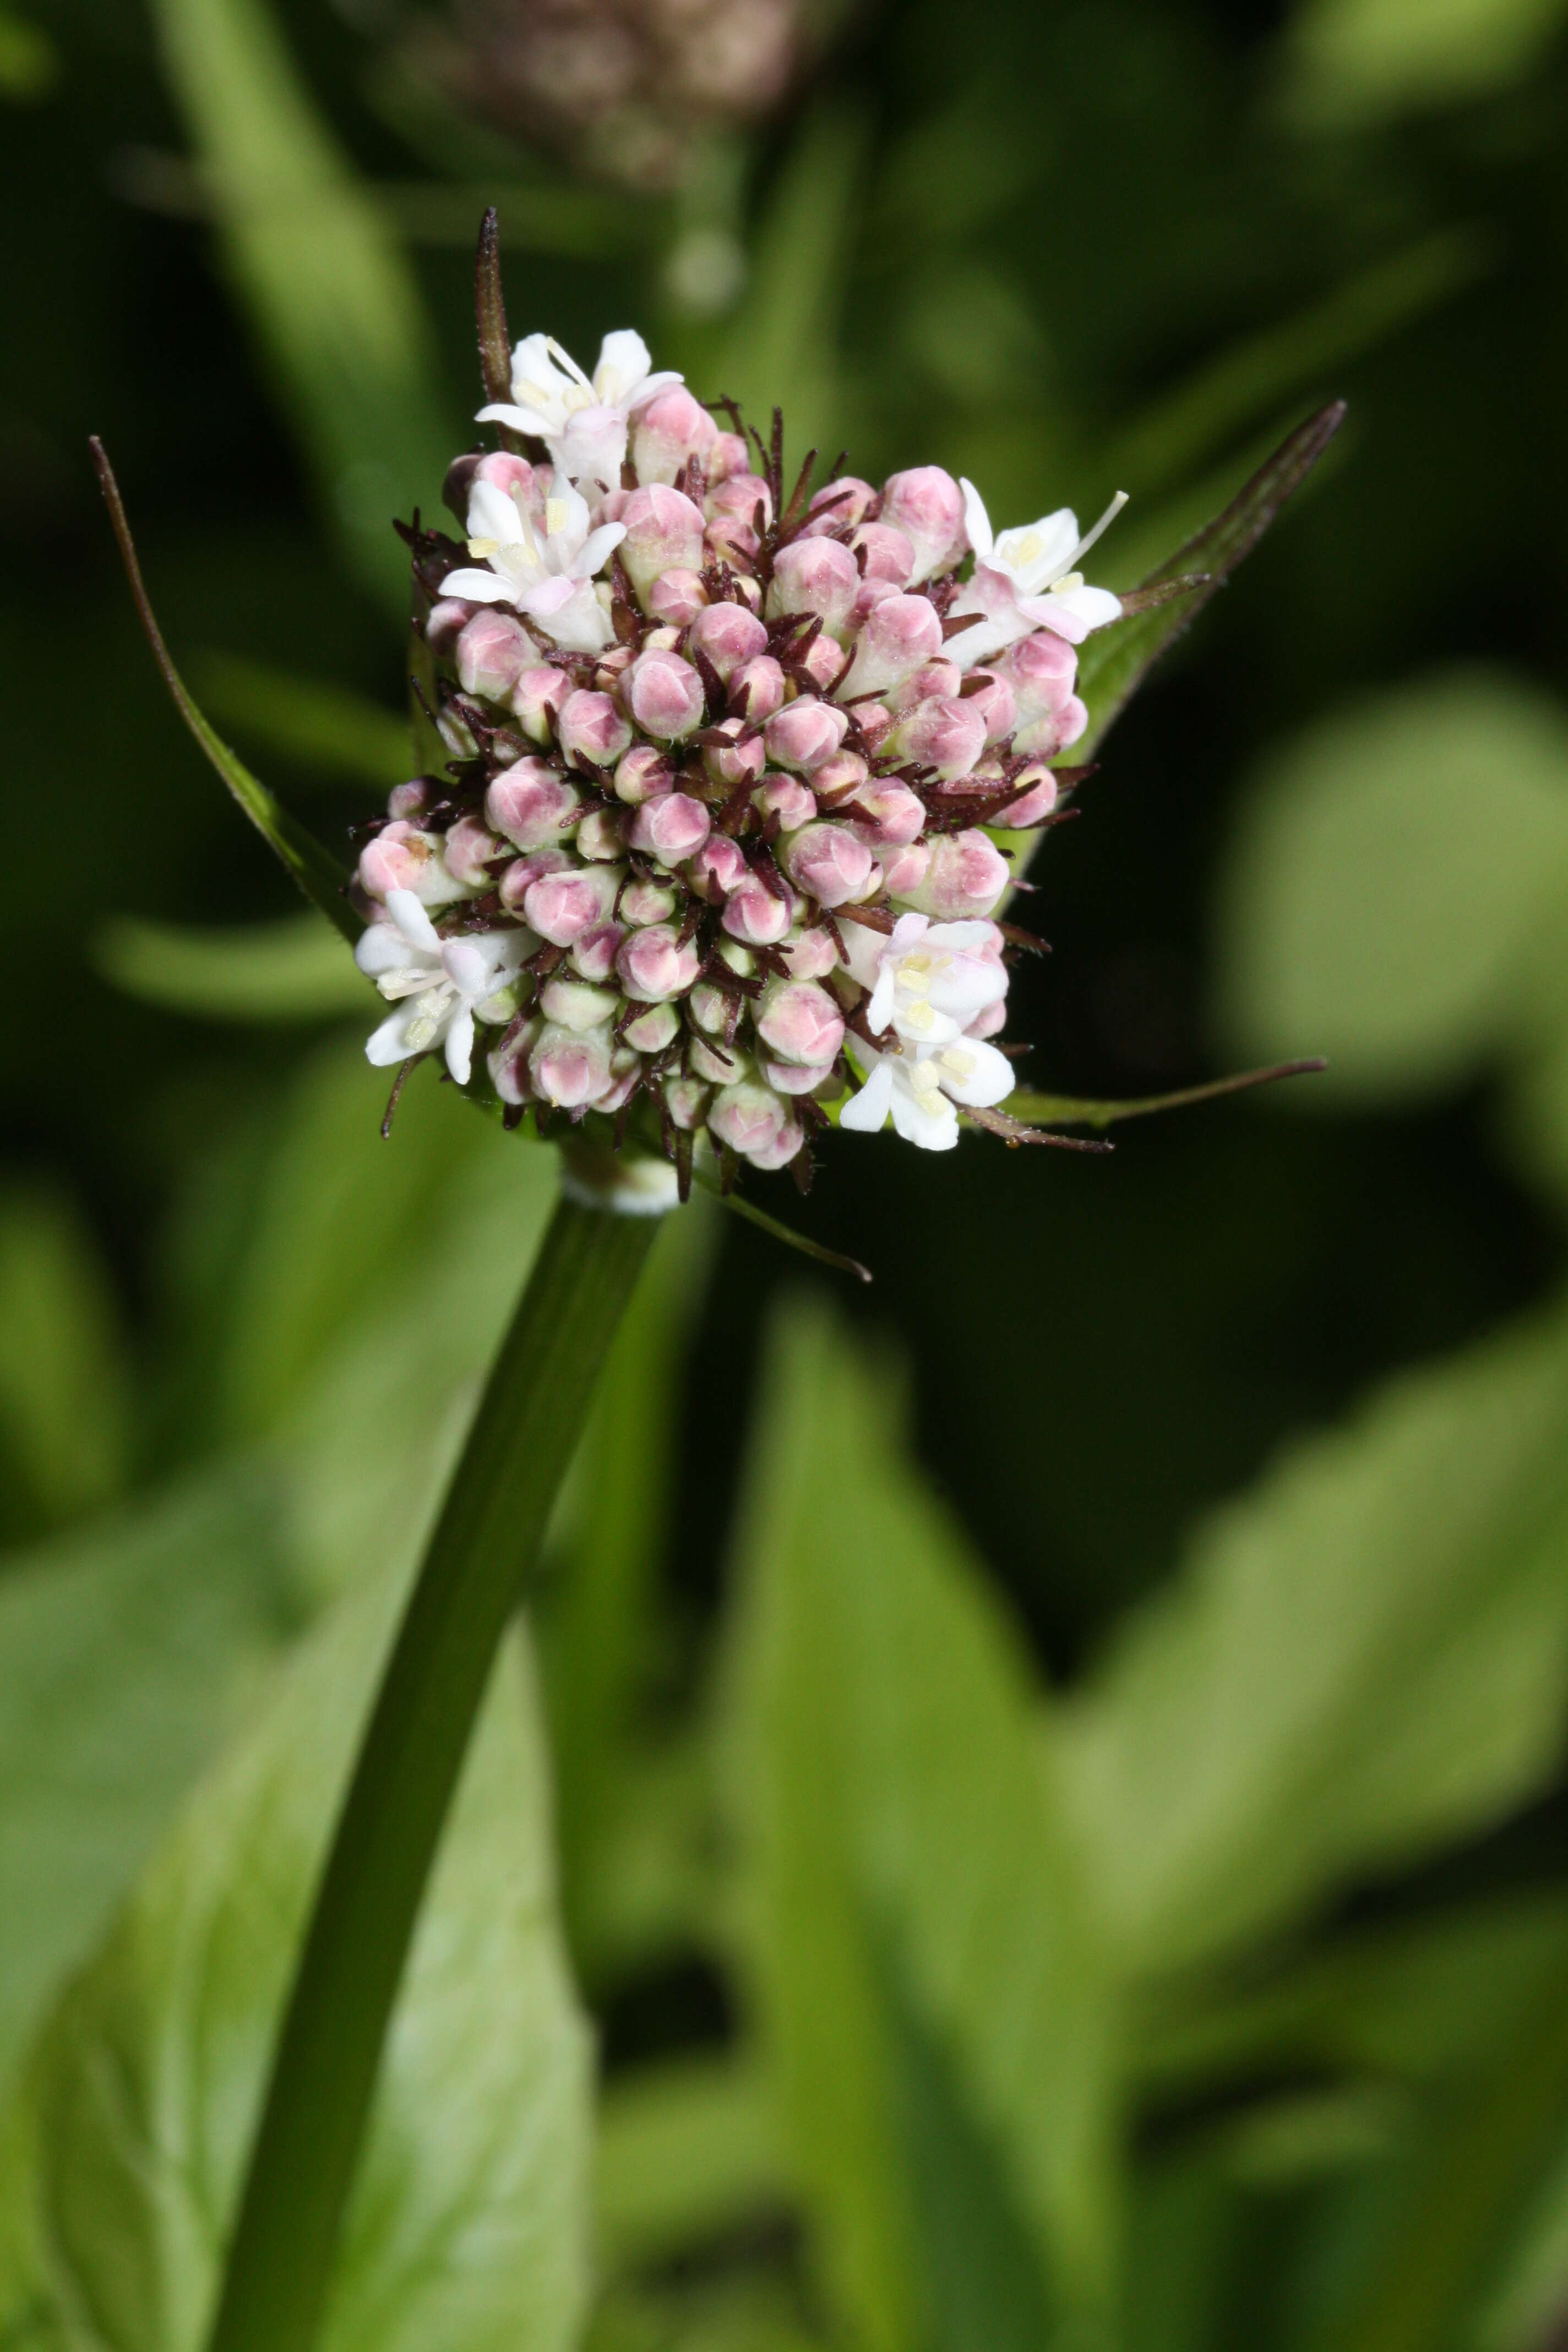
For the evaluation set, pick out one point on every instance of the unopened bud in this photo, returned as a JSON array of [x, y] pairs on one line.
[[728, 635], [593, 957], [966, 876], [590, 728], [755, 915], [800, 1021], [903, 632], [828, 861], [757, 688], [893, 815], [927, 506], [875, 721], [994, 700], [672, 428], [841, 505], [676, 597], [742, 495], [1043, 668], [1039, 786], [652, 1031], [641, 774], [709, 1007], [665, 694], [537, 699], [562, 906], [654, 964], [1053, 731], [664, 533], [406, 801], [887, 554], [492, 654], [568, 1068], [810, 955], [937, 676], [524, 872], [685, 1099], [531, 804], [716, 1061], [815, 575], [602, 836], [904, 870], [469, 848], [796, 1077], [647, 902], [734, 753], [729, 455], [944, 734], [401, 858], [670, 828], [717, 867], [824, 661], [750, 1118], [574, 1004], [839, 776], [445, 624], [505, 470], [786, 797], [988, 1023], [806, 731]]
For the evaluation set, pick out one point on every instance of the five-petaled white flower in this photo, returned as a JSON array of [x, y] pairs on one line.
[[919, 1085], [542, 561], [931, 979], [581, 419], [436, 985], [1027, 579]]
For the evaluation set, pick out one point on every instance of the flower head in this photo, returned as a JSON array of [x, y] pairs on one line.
[[1026, 579]]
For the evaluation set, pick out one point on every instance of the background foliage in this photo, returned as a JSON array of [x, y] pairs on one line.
[[1105, 1884]]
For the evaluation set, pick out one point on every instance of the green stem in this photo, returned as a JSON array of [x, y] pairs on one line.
[[485, 1544]]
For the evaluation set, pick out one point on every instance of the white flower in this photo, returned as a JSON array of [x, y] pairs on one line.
[[437, 984], [931, 979], [1027, 579], [920, 1086], [581, 419], [541, 562]]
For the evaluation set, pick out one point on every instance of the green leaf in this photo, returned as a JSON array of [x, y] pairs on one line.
[[65, 1391], [687, 2152], [1393, 877], [323, 726], [319, 874], [936, 2013], [291, 971], [1355, 62], [29, 63], [330, 292], [1362, 1659], [126, 2146], [1076, 1111], [126, 1655]]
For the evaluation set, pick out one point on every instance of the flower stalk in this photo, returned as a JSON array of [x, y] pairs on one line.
[[476, 1569]]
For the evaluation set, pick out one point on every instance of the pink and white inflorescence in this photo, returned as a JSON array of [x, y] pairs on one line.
[[710, 855]]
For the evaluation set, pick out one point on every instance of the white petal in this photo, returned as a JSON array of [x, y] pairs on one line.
[[382, 947], [867, 1110], [493, 514], [1088, 608], [479, 587], [1036, 553], [976, 521], [597, 549], [880, 1012], [651, 386], [460, 1047], [390, 1042], [924, 1120], [522, 420], [408, 914], [624, 363], [974, 1074]]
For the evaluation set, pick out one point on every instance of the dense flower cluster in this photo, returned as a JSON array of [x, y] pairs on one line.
[[711, 849]]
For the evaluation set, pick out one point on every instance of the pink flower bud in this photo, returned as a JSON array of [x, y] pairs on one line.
[[562, 906], [726, 635], [591, 728], [894, 815], [729, 455], [664, 533], [904, 870], [800, 1021], [815, 575], [887, 553], [670, 429], [602, 836], [875, 721], [1042, 669], [642, 774], [626, 1071], [654, 966], [508, 1064], [612, 667], [751, 1119], [511, 474], [841, 505], [966, 876], [827, 861], [568, 1068], [810, 955], [741, 495], [709, 1007], [575, 1005], [824, 661], [593, 957], [717, 867], [988, 1023], [1053, 730], [647, 902], [784, 1147], [469, 849], [407, 799], [729, 540], [652, 1031], [722, 1063], [401, 858], [665, 694], [927, 506], [670, 828], [839, 776], [446, 622], [995, 701], [796, 1077], [938, 677], [531, 804], [1039, 786], [870, 594], [786, 797], [944, 734], [806, 731], [524, 872], [537, 699], [755, 915], [676, 597], [685, 1099], [492, 654], [757, 688], [737, 754], [902, 631]]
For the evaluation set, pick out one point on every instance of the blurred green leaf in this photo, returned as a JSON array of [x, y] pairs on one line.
[[1363, 1657], [296, 970], [65, 1391], [123, 2152], [324, 727], [934, 2005], [1391, 880], [329, 291], [1354, 62], [125, 1654], [687, 2151], [1526, 2303], [29, 64]]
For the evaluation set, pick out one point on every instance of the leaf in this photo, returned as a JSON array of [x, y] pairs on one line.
[[329, 290], [1390, 876], [318, 873], [1355, 62], [933, 2006], [1076, 1110], [1362, 1658], [290, 971], [29, 64], [323, 726], [127, 2143], [65, 1395], [125, 1654], [687, 2152]]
